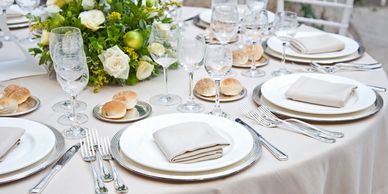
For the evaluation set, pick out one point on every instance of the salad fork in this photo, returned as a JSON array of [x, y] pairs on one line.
[[345, 66], [88, 155], [118, 183], [270, 121], [93, 137]]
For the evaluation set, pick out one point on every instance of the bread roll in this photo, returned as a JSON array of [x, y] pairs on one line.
[[231, 87], [20, 94], [113, 110], [133, 113], [205, 87], [8, 105], [240, 56], [259, 52], [128, 98], [10, 89]]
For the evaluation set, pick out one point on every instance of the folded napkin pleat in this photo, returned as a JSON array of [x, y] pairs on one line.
[[9, 136], [190, 142], [321, 92], [320, 43]]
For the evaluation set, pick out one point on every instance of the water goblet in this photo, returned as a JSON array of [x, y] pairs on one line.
[[4, 4], [163, 44], [191, 52], [73, 76], [255, 25], [284, 28], [28, 6], [217, 65], [257, 5]]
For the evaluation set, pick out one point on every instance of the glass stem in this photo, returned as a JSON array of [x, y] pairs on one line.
[[217, 106], [72, 101], [253, 67], [283, 55], [29, 26], [4, 26], [191, 76], [165, 79]]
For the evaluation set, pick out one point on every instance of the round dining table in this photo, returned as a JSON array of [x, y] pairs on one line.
[[355, 164]]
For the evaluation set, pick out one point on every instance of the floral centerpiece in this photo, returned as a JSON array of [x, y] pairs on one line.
[[115, 35]]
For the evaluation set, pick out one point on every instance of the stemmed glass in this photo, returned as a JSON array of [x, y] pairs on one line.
[[257, 5], [225, 22], [217, 65], [163, 44], [73, 76], [28, 6], [4, 4], [284, 28], [191, 52], [71, 37], [255, 25]]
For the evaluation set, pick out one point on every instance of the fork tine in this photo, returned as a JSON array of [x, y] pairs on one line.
[[104, 146], [81, 141]]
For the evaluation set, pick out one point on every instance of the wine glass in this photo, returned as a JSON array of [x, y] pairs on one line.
[[255, 25], [28, 6], [284, 28], [71, 37], [73, 76], [191, 52], [163, 44], [257, 5], [224, 22], [4, 4], [217, 65]]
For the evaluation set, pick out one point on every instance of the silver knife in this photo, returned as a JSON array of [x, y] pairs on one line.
[[272, 149], [38, 188]]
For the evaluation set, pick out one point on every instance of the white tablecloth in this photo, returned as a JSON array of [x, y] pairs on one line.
[[355, 164]]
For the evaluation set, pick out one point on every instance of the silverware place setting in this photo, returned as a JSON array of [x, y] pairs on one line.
[[344, 66]]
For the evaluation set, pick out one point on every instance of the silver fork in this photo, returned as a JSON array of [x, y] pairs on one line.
[[345, 66], [88, 155], [92, 135], [304, 124], [267, 121], [118, 183]]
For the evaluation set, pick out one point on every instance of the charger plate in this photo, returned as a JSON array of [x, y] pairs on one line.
[[137, 168], [53, 156], [373, 109]]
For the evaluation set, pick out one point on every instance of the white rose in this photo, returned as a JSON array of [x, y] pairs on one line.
[[88, 4], [44, 39], [92, 19], [144, 70], [115, 62], [49, 11]]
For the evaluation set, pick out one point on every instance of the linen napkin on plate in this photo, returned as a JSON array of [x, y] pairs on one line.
[[320, 43], [316, 91], [15, 11], [190, 142], [9, 137]]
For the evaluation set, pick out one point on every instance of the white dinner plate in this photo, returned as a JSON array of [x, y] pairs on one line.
[[36, 143], [17, 20], [137, 142], [206, 16], [351, 47], [274, 91]]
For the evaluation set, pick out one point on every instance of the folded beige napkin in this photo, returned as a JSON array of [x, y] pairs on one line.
[[316, 91], [190, 142], [15, 11], [320, 43], [9, 137]]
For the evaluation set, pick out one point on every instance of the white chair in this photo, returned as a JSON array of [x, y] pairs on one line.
[[346, 6]]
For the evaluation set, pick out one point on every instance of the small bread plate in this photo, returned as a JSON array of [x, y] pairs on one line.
[[32, 157], [374, 108], [31, 104], [140, 154], [223, 98], [143, 110], [263, 61]]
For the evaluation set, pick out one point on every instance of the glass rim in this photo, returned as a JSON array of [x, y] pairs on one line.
[[57, 31]]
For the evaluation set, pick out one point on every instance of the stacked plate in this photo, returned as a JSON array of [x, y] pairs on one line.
[[363, 102], [39, 147], [134, 148], [351, 51], [16, 18]]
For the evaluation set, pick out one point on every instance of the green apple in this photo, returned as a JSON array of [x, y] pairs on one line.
[[133, 39], [151, 3]]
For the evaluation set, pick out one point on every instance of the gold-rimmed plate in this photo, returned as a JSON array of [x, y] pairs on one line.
[[263, 61], [143, 109], [31, 104], [223, 98]]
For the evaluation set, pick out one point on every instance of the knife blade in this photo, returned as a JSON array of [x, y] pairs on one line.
[[272, 149], [38, 188]]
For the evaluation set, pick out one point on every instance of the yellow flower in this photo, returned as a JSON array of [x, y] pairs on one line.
[[132, 53], [114, 16]]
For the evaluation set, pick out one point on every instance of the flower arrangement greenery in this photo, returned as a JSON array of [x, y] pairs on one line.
[[115, 34]]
